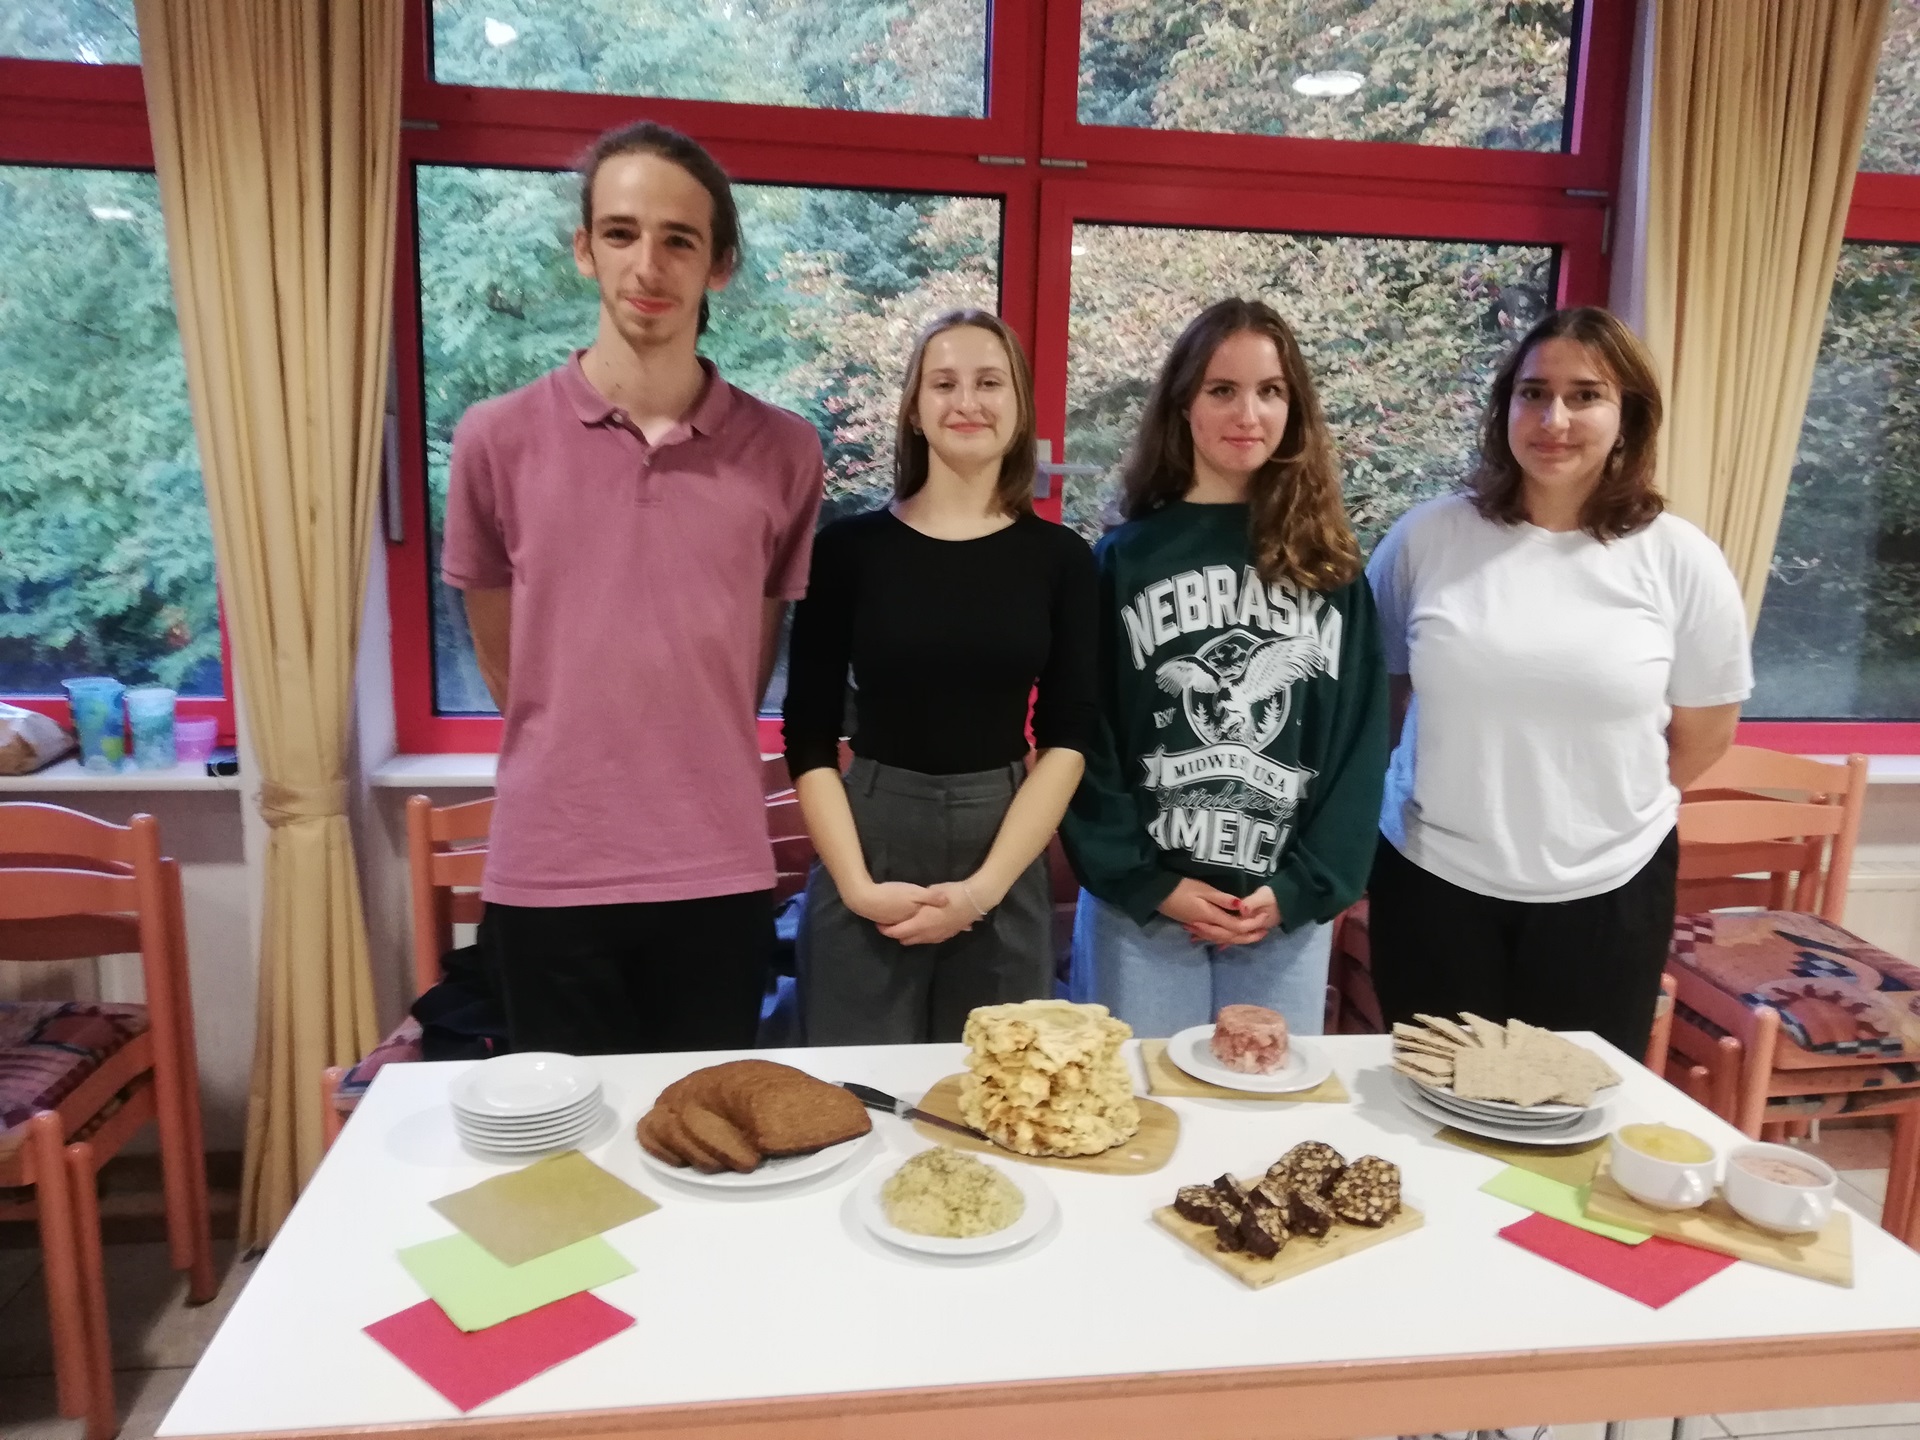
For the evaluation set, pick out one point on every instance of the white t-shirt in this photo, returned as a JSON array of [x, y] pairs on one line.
[[1545, 665]]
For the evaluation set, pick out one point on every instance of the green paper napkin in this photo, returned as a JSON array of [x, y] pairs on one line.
[[1549, 1197], [550, 1204], [476, 1290]]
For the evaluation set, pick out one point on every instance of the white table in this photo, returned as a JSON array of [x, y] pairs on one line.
[[777, 1315]]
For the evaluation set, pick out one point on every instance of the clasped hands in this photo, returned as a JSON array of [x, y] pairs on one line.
[[921, 914], [1214, 917]]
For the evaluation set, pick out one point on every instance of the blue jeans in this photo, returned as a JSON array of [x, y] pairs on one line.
[[1160, 982]]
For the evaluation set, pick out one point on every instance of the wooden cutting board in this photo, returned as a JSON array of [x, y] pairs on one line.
[[1149, 1149], [1715, 1226], [1166, 1078], [1296, 1257]]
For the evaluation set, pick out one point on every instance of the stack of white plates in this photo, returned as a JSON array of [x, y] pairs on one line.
[[1500, 1120], [1503, 1112], [523, 1104]]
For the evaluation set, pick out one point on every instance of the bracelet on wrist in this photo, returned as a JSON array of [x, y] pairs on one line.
[[967, 891]]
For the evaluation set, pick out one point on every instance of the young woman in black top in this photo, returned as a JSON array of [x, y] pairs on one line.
[[948, 606]]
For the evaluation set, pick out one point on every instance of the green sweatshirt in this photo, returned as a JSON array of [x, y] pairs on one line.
[[1244, 725]]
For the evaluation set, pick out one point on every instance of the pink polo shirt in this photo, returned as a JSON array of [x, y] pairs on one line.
[[630, 764]]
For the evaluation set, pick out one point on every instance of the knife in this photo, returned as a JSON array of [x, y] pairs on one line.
[[879, 1100]]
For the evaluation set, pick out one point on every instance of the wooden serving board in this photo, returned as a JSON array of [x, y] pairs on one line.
[[1296, 1257], [1166, 1078], [1149, 1149], [1715, 1226]]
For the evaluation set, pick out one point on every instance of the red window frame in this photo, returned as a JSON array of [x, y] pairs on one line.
[[1602, 57], [1574, 227], [1015, 153], [67, 114], [469, 125], [1885, 210]]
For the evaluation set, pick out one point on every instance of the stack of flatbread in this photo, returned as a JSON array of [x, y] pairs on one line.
[[1518, 1063]]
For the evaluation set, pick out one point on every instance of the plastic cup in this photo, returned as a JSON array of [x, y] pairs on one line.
[[100, 720], [193, 737], [150, 717]]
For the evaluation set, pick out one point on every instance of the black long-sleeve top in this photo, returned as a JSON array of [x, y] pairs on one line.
[[946, 640]]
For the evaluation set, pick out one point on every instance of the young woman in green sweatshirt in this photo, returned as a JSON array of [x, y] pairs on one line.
[[1228, 810]]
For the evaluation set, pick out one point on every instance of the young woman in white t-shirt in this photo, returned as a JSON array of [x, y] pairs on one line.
[[1563, 657]]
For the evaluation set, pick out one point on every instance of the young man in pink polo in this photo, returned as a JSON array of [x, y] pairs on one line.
[[628, 531]]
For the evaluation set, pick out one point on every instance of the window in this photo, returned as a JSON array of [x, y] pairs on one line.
[[1838, 642], [1100, 169], [835, 284], [926, 57], [1839, 632], [1892, 141], [95, 32], [1424, 72], [1401, 336], [106, 561]]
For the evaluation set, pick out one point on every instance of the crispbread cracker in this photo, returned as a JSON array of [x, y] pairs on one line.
[[1448, 1029], [1517, 1063], [1497, 1075], [1492, 1036], [1581, 1072], [1418, 1037]]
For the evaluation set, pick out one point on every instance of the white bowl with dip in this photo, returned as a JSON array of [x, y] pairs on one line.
[[1780, 1189], [1659, 1183]]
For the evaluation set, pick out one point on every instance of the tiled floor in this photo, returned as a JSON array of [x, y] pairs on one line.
[[157, 1337]]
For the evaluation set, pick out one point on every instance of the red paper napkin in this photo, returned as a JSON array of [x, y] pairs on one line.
[[1653, 1272], [471, 1368]]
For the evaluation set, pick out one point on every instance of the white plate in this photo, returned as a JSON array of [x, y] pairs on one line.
[[1446, 1100], [783, 1170], [1306, 1065], [532, 1135], [524, 1123], [1592, 1126], [1497, 1109], [1033, 1218], [597, 1128], [535, 1083]]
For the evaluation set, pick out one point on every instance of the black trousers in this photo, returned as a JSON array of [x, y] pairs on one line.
[[626, 979], [1591, 964]]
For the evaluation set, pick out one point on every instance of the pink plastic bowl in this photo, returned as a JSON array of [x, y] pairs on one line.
[[193, 737]]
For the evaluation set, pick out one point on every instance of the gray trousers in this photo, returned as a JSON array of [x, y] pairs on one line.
[[857, 987]]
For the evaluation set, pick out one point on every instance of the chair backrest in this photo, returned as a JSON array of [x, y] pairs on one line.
[[73, 887], [1772, 830], [48, 912], [1732, 1040], [793, 852], [446, 857]]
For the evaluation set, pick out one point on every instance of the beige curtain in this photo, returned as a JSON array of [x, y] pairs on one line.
[[276, 137], [1758, 110]]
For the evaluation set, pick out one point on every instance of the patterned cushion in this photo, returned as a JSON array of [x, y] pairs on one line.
[[1842, 1002], [48, 1047], [402, 1044]]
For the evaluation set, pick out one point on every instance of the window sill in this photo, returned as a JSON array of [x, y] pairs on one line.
[[68, 775], [1883, 769], [435, 772], [475, 772]]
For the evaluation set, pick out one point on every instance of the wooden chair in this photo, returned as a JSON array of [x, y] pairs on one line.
[[73, 887], [1777, 832], [446, 856], [1352, 1006], [1773, 830], [446, 859]]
